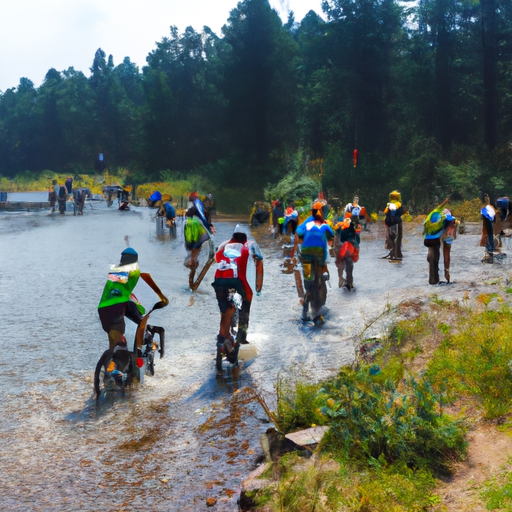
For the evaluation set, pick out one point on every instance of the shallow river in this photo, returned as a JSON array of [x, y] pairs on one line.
[[185, 435]]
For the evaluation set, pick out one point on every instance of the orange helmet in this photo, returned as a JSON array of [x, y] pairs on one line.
[[316, 209]]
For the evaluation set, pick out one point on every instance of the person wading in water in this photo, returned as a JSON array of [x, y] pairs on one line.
[[314, 234]]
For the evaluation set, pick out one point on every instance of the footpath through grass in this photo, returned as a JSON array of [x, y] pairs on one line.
[[398, 418]]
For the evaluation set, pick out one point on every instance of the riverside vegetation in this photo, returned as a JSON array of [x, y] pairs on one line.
[[399, 417], [228, 200]]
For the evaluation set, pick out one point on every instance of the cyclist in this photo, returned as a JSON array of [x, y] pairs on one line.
[[117, 300], [314, 234]]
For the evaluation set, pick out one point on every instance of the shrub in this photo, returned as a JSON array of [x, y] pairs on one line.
[[402, 422], [298, 404], [469, 210]]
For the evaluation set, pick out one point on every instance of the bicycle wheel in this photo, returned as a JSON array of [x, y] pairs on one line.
[[102, 381], [150, 365], [204, 260]]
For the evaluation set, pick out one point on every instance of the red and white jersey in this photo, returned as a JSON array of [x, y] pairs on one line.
[[233, 259]]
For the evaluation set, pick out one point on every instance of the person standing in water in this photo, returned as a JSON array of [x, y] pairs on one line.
[[439, 230], [62, 197], [69, 185], [488, 214], [346, 247], [291, 219]]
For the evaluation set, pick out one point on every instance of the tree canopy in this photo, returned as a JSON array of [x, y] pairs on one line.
[[421, 89]]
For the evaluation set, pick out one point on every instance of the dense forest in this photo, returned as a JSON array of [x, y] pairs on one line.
[[422, 90]]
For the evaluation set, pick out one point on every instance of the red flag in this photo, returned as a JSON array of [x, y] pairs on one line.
[[355, 157]]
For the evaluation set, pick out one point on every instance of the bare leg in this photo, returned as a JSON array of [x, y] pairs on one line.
[[433, 260], [446, 259], [225, 322], [341, 268], [243, 322], [349, 267]]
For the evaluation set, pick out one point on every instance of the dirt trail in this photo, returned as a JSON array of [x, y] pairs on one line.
[[489, 449]]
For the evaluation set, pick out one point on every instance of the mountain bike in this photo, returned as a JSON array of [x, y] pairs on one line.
[[119, 367]]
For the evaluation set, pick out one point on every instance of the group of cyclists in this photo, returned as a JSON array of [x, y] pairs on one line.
[[238, 275]]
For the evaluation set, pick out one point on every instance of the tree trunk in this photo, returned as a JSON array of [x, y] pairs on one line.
[[490, 61]]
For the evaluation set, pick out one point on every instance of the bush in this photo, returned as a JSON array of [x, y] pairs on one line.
[[469, 210], [401, 422], [298, 405]]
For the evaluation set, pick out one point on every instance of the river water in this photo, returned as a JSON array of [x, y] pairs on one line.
[[185, 435]]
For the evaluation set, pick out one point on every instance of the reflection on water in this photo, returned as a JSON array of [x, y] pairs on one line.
[[185, 435], [32, 197]]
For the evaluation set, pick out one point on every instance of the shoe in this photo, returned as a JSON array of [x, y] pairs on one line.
[[319, 320], [228, 346], [341, 282], [488, 258]]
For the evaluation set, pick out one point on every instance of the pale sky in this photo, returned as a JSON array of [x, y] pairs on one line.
[[36, 35]]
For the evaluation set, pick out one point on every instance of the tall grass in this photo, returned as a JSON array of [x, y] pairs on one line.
[[475, 361], [389, 434], [42, 181]]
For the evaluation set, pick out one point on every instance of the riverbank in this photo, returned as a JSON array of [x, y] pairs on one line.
[[461, 345], [23, 205]]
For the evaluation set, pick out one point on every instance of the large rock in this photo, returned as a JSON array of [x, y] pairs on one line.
[[308, 438]]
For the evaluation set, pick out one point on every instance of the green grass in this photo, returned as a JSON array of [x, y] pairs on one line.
[[389, 436], [475, 361], [323, 485], [497, 492]]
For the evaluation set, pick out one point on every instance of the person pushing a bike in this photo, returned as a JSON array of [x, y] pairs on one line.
[[236, 259], [314, 235], [195, 234]]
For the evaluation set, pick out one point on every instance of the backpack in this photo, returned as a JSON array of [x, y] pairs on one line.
[[392, 217], [228, 267]]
